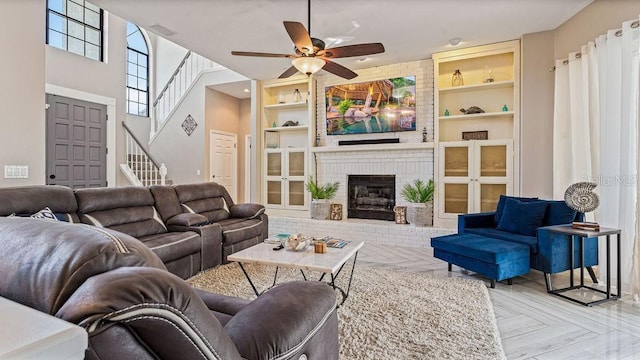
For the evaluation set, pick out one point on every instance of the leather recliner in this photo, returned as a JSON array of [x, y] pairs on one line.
[[133, 308]]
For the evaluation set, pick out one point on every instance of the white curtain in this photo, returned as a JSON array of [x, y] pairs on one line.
[[596, 135]]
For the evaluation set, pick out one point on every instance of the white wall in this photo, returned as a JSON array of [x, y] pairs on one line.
[[536, 115], [185, 155], [166, 58], [22, 99]]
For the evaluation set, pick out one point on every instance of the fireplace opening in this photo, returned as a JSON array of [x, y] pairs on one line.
[[371, 197]]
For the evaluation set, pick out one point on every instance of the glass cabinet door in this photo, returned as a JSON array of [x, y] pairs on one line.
[[274, 164], [274, 192], [296, 163], [493, 160], [456, 198], [456, 161], [489, 196], [296, 193]]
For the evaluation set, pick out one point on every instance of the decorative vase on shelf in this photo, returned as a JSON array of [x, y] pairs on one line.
[[456, 79], [297, 97], [488, 74]]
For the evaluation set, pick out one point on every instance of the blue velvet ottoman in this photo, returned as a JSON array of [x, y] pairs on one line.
[[493, 258]]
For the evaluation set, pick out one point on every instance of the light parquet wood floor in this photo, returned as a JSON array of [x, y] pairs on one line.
[[532, 323]]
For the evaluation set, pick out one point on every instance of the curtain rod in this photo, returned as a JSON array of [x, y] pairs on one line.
[[618, 33]]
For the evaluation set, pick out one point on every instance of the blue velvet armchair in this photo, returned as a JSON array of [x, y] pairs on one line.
[[549, 251]]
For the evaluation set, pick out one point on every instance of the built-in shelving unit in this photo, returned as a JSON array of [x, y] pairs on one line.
[[284, 149], [473, 173]]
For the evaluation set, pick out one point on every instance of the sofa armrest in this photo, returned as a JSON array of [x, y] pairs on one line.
[[478, 220], [286, 321], [554, 255], [246, 211], [187, 219], [133, 311], [211, 250], [229, 305]]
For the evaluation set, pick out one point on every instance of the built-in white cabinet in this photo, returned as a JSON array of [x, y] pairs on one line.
[[285, 178], [287, 132], [473, 174], [477, 157]]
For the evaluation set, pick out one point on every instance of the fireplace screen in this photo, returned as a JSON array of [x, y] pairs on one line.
[[372, 197]]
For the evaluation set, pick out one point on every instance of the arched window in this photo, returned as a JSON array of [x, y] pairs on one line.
[[137, 72]]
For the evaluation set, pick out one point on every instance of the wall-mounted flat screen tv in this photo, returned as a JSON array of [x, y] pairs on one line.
[[377, 106]]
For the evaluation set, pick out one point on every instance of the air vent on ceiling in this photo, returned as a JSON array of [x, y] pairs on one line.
[[161, 30]]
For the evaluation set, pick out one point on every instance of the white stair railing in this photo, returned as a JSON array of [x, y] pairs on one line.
[[179, 83], [141, 168]]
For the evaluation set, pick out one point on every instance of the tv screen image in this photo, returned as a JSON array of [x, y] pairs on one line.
[[377, 106]]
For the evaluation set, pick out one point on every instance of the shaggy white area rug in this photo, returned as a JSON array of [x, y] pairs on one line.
[[391, 314]]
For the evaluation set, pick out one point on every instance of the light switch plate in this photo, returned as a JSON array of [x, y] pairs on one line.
[[16, 172]]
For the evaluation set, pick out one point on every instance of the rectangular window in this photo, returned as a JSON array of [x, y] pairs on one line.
[[75, 26]]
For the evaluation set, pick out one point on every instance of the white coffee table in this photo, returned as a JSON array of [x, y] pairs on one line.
[[332, 262]]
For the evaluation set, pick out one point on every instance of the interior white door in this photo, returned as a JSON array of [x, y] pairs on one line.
[[223, 161]]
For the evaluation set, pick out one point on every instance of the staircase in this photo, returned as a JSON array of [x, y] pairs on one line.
[[141, 168]]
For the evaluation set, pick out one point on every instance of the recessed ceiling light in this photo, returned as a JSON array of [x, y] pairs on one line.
[[245, 90], [363, 59], [455, 41]]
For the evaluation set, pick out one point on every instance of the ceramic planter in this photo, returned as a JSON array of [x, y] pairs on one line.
[[320, 209], [420, 214]]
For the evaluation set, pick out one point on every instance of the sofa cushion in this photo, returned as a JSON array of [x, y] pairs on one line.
[[237, 230], [501, 203], [126, 209], [486, 249], [558, 213], [522, 217], [43, 262], [247, 211], [172, 246], [531, 241], [27, 200]]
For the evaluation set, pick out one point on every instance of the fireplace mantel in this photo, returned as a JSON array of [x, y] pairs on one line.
[[377, 147]]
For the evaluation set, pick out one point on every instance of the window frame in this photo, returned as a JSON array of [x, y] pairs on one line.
[[67, 18], [148, 72]]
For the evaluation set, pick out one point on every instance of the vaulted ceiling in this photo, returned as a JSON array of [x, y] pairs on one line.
[[409, 29]]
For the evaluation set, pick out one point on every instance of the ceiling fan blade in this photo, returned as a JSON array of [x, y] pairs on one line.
[[352, 50], [338, 69], [300, 36], [290, 71], [260, 54]]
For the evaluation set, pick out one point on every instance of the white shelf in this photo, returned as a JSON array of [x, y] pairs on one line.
[[483, 86], [476, 116], [397, 146], [288, 128], [295, 105]]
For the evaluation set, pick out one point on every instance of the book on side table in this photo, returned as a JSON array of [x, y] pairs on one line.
[[583, 225]]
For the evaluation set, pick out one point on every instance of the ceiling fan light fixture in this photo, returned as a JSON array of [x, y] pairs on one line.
[[308, 64]]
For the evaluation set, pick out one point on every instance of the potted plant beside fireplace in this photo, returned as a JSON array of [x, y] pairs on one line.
[[420, 195], [321, 194]]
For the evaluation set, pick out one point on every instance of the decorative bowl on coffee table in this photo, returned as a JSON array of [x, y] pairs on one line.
[[298, 242]]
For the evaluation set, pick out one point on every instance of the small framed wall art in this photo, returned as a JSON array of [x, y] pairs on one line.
[[475, 135]]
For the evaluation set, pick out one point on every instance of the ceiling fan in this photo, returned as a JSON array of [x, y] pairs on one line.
[[310, 53]]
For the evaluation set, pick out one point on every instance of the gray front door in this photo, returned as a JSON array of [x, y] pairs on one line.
[[76, 143]]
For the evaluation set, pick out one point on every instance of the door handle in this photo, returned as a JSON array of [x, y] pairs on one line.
[[52, 176], [213, 176]]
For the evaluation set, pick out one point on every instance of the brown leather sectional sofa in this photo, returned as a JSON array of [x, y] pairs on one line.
[[131, 307], [190, 227]]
